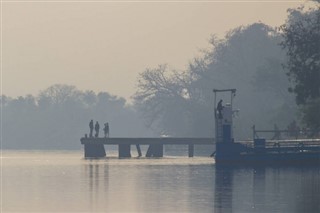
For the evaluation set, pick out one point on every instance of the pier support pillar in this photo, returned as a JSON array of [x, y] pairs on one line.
[[94, 151], [155, 150], [124, 151], [191, 150], [138, 150]]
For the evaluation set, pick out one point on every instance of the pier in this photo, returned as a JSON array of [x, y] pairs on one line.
[[259, 150], [94, 147]]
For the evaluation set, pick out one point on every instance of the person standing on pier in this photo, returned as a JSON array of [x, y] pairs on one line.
[[106, 130], [219, 109], [91, 128], [97, 127]]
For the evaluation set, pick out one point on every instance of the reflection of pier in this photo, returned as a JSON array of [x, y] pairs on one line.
[[94, 147], [223, 189], [241, 189]]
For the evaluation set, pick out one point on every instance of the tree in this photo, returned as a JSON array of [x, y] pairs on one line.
[[302, 42], [58, 94], [249, 59], [301, 35], [162, 97]]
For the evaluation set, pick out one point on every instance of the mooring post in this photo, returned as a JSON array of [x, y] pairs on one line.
[[124, 151], [191, 150]]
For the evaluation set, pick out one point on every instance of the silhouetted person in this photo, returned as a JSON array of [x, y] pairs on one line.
[[97, 127], [106, 130], [91, 128], [219, 109]]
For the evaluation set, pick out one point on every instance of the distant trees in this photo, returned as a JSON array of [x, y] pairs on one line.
[[162, 97], [59, 116], [301, 35], [167, 100], [58, 94], [248, 58]]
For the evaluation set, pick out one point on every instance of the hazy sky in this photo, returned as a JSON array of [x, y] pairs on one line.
[[102, 46]]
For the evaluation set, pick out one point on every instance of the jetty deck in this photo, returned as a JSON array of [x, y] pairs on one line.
[[148, 141], [94, 147]]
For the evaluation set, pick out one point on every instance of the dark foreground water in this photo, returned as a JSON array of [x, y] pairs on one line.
[[34, 181]]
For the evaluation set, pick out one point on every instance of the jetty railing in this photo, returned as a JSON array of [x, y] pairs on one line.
[[286, 133], [282, 146]]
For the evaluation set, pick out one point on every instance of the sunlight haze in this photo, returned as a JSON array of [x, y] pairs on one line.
[[103, 46]]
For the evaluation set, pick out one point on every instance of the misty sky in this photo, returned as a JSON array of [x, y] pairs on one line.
[[102, 46]]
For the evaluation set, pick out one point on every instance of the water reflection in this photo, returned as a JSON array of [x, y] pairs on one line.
[[200, 188], [97, 182], [259, 189], [308, 197], [61, 182], [267, 189], [149, 188], [223, 189]]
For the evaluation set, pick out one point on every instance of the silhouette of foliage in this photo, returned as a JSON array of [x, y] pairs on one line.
[[160, 92], [59, 116], [302, 41], [301, 35], [181, 103]]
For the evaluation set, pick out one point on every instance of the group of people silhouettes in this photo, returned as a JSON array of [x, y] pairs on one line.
[[97, 128]]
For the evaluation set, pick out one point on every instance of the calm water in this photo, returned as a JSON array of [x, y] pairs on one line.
[[34, 181]]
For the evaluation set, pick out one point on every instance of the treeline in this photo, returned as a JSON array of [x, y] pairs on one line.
[[60, 115]]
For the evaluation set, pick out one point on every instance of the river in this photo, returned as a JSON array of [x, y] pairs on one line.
[[62, 181]]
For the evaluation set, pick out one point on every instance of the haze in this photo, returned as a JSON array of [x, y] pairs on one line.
[[103, 46]]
